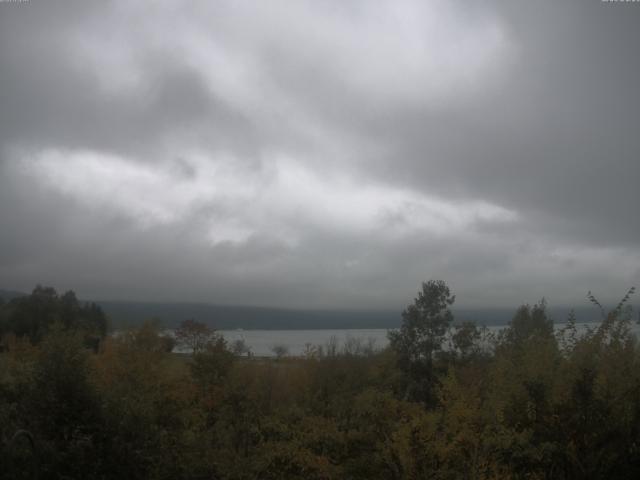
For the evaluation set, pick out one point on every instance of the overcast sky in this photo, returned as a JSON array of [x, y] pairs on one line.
[[323, 154]]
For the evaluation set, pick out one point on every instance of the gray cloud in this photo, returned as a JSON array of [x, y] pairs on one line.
[[320, 154]]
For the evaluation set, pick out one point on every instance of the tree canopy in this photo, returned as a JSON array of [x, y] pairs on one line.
[[444, 401], [33, 315]]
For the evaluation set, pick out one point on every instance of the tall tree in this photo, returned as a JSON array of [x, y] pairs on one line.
[[424, 326]]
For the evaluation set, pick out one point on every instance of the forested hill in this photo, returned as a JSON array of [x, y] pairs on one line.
[[221, 317], [7, 295], [123, 314]]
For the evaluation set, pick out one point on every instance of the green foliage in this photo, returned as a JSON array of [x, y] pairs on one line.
[[32, 316], [211, 365], [529, 323], [526, 405], [147, 338], [193, 336], [466, 340], [425, 324]]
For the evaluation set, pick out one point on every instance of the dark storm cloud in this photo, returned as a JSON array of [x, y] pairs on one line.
[[320, 154]]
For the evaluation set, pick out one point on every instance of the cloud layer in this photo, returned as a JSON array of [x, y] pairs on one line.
[[320, 154]]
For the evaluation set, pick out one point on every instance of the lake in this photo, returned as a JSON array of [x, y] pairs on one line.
[[261, 342]]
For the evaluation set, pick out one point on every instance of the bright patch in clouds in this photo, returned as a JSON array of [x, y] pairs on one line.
[[238, 202]]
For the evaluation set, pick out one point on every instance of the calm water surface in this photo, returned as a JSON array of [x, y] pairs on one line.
[[261, 342]]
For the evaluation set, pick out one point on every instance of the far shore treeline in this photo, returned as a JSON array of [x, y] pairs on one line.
[[446, 399], [126, 314]]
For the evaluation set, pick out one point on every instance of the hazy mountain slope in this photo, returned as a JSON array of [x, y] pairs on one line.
[[7, 295], [124, 314]]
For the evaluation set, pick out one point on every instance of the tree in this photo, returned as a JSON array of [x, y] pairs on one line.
[[529, 322], [194, 335], [424, 323], [424, 326], [34, 315], [465, 339], [280, 350], [87, 317], [62, 406], [212, 363], [240, 347], [148, 337]]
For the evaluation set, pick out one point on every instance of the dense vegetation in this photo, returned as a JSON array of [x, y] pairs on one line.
[[444, 401]]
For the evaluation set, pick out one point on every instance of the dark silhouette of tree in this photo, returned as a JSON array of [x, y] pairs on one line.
[[424, 326], [465, 339], [240, 348], [33, 315], [280, 350], [193, 335], [529, 322]]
